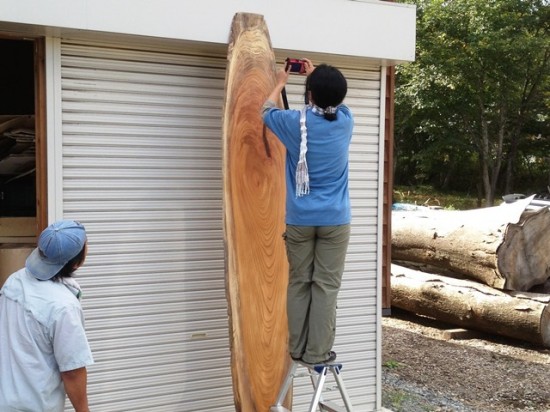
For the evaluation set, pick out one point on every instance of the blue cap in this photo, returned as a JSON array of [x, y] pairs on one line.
[[57, 244]]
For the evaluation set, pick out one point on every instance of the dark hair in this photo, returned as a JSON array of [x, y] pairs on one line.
[[69, 268], [328, 88]]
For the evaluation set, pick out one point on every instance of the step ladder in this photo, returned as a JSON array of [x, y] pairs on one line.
[[318, 374]]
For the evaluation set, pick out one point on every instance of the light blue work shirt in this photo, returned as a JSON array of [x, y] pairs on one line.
[[41, 335], [327, 156]]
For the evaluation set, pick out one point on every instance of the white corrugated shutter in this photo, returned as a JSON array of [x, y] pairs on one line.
[[356, 327], [142, 170]]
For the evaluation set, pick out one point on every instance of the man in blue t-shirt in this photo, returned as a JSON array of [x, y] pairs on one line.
[[318, 214]]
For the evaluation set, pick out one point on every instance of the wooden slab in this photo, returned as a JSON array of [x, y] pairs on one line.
[[254, 208]]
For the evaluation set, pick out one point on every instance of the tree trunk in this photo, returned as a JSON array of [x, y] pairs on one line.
[[254, 209], [518, 315], [501, 246]]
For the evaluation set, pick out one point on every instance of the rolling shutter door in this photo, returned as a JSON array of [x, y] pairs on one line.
[[356, 326], [142, 170]]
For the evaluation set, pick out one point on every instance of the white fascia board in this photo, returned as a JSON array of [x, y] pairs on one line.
[[373, 29]]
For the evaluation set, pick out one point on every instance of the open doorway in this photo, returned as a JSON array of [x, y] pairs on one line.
[[22, 152]]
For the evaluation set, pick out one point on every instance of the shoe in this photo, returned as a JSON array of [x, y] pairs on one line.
[[331, 358]]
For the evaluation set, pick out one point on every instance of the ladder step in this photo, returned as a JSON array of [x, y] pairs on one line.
[[320, 367], [318, 374], [328, 406]]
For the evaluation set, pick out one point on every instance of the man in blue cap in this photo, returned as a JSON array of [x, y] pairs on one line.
[[44, 350]]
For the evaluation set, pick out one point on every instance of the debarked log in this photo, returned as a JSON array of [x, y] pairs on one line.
[[254, 209], [505, 247], [469, 304]]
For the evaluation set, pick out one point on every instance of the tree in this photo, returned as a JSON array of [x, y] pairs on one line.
[[481, 71]]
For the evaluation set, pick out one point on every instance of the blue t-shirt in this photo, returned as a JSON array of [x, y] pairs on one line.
[[327, 156]]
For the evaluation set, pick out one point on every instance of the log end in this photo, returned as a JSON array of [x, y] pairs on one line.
[[522, 257]]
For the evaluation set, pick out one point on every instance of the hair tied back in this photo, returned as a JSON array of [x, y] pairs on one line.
[[330, 112]]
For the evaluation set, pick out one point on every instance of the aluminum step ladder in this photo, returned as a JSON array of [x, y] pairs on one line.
[[318, 374]]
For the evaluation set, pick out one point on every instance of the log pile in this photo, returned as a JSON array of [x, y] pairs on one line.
[[478, 269], [468, 304]]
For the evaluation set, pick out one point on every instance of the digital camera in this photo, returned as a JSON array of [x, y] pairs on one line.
[[296, 65]]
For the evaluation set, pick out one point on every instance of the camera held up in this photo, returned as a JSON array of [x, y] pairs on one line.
[[296, 65]]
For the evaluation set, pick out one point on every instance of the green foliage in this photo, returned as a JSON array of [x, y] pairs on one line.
[[391, 364], [469, 108], [398, 400]]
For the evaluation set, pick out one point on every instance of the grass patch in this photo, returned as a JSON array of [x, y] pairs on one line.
[[428, 196], [391, 364], [398, 400]]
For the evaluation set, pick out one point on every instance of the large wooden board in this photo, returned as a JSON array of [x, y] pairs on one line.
[[254, 207]]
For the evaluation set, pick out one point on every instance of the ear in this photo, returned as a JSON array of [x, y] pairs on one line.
[[79, 264]]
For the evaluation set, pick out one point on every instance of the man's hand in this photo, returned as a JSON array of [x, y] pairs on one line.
[[282, 77], [308, 65]]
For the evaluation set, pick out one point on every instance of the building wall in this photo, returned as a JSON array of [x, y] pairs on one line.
[[134, 93], [345, 27]]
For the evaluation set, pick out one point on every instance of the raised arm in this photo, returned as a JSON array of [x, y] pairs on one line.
[[282, 78]]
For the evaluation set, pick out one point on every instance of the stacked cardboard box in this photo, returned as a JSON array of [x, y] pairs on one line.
[[17, 240]]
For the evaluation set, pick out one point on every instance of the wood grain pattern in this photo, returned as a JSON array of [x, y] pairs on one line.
[[504, 246], [254, 208], [470, 304], [466, 242]]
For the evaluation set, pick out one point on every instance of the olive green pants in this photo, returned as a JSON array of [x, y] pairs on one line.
[[316, 256]]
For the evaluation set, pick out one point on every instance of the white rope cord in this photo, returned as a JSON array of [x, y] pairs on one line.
[[302, 175]]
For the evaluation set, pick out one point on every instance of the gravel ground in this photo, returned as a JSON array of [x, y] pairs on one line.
[[423, 372]]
